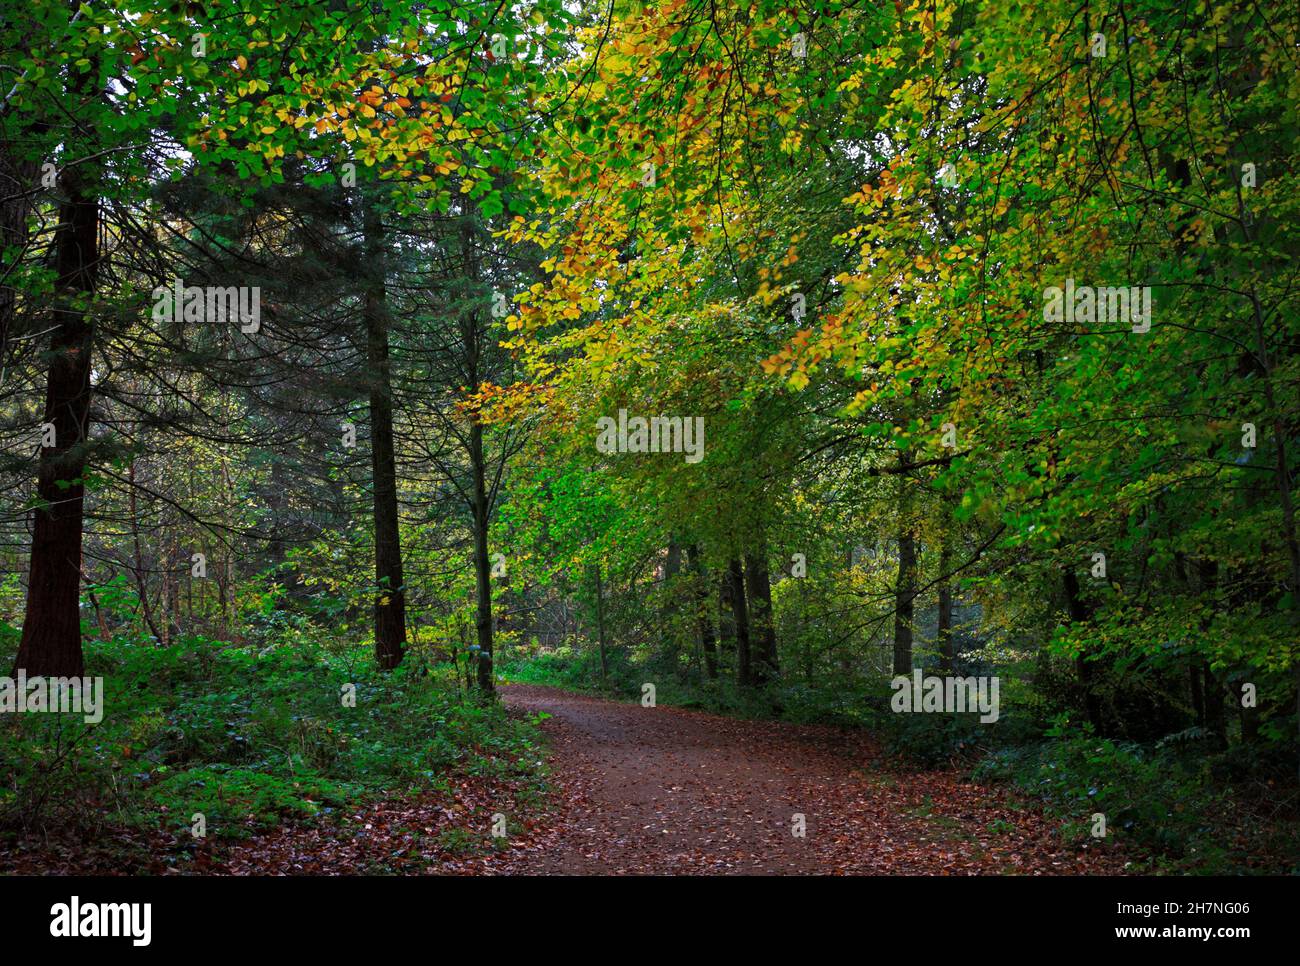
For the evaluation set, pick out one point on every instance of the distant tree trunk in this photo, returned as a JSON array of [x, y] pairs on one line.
[[482, 564], [471, 679], [707, 640], [138, 564], [172, 591], [946, 650], [17, 175], [600, 621], [50, 644], [740, 616], [1250, 724], [1080, 613], [673, 561], [759, 588], [101, 623], [1198, 695], [1214, 716], [164, 557], [390, 595], [472, 337], [667, 613], [726, 621], [904, 602], [1212, 691], [229, 605], [905, 586]]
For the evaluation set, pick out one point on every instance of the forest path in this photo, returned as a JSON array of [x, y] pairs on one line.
[[668, 791]]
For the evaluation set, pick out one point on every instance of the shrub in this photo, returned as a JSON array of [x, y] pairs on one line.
[[245, 736]]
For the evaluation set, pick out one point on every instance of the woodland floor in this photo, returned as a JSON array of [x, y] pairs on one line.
[[638, 790], [668, 790]]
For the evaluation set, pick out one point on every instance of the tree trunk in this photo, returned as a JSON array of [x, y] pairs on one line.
[[946, 650], [229, 604], [759, 587], [51, 638], [707, 641], [1198, 695], [390, 599], [482, 565], [138, 565], [1214, 716], [672, 567], [740, 617], [1080, 612], [726, 618], [600, 621], [1211, 691], [905, 586]]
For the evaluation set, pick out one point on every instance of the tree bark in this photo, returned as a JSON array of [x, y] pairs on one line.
[[672, 567], [482, 564], [708, 642], [229, 604], [905, 585], [726, 622], [138, 565], [1215, 719], [1198, 695], [390, 599], [1080, 612], [600, 621], [946, 649], [758, 585], [51, 637], [740, 617]]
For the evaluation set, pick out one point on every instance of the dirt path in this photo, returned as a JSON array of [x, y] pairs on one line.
[[666, 790]]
